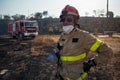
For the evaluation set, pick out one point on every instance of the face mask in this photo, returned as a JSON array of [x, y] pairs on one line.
[[68, 28]]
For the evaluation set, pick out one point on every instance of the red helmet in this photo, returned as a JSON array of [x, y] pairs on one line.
[[70, 10]]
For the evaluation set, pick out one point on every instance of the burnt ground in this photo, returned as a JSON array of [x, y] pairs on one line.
[[28, 60], [18, 62]]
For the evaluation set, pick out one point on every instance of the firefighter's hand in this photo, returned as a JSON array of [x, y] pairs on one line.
[[51, 57], [87, 65]]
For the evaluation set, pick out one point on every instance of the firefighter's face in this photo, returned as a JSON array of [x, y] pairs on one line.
[[67, 20]]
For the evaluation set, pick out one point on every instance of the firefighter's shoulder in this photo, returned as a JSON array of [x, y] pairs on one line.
[[81, 31], [85, 33]]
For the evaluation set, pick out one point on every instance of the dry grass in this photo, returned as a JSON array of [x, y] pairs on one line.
[[46, 39], [41, 44]]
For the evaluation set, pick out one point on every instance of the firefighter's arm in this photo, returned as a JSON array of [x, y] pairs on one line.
[[105, 53]]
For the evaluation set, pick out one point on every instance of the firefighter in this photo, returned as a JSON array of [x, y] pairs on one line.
[[77, 48]]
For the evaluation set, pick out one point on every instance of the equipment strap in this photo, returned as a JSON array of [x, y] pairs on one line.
[[83, 76]]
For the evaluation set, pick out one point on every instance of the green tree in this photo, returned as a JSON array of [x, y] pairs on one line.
[[110, 14], [38, 15], [22, 17], [99, 13], [45, 13], [6, 17], [16, 17]]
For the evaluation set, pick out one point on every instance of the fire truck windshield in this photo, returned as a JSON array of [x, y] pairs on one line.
[[30, 24]]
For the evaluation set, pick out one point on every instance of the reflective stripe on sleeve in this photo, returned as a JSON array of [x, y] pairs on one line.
[[83, 76], [95, 45], [73, 58], [67, 78]]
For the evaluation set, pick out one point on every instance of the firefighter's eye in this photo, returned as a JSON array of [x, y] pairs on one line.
[[75, 40]]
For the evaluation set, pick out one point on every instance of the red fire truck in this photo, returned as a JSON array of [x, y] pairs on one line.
[[23, 28]]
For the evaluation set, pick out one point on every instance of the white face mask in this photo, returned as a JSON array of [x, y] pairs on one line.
[[68, 28]]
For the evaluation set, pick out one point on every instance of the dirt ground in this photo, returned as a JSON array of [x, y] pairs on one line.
[[114, 43], [28, 59]]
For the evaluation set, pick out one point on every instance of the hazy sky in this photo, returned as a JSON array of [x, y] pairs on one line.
[[54, 7]]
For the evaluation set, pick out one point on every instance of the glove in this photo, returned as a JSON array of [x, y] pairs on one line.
[[92, 62], [88, 65], [51, 57]]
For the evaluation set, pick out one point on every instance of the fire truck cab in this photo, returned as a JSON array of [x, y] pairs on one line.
[[23, 28]]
